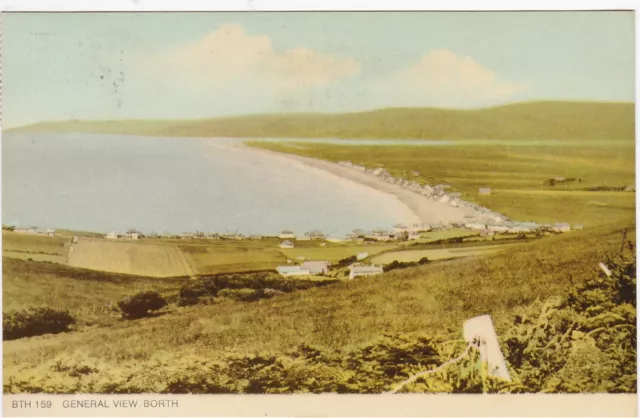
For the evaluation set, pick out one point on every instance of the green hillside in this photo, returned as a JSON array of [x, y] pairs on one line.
[[358, 336], [531, 120]]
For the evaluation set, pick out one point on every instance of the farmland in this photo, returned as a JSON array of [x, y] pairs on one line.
[[36, 247], [436, 254], [516, 172], [129, 258]]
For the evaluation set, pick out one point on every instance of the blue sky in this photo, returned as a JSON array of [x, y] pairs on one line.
[[194, 65]]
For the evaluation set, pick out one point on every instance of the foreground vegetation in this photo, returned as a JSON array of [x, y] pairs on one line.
[[536, 120], [328, 338]]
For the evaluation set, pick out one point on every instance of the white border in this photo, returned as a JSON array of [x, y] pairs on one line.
[[309, 5]]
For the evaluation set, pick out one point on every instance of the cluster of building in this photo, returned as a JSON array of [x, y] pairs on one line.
[[48, 232], [321, 268]]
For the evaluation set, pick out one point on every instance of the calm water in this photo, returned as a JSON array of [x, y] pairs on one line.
[[172, 185]]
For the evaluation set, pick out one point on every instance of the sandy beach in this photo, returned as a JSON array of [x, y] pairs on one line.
[[422, 210]]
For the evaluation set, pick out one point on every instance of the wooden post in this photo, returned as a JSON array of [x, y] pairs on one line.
[[481, 329]]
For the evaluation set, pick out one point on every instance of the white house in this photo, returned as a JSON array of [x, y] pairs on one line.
[[132, 235], [111, 235], [357, 271], [562, 227], [287, 234], [50, 232], [287, 271], [413, 237], [286, 244], [362, 256], [315, 267], [484, 191]]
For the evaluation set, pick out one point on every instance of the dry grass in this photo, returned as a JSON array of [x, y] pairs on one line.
[[129, 258], [436, 254], [90, 296]]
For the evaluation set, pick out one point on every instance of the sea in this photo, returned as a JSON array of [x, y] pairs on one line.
[[110, 183]]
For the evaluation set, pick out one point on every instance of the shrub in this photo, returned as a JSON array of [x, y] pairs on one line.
[[243, 295], [35, 321], [141, 305]]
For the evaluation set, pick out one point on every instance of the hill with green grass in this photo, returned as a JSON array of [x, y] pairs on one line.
[[563, 325], [545, 120]]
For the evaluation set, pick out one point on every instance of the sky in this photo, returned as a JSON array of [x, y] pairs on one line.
[[104, 66]]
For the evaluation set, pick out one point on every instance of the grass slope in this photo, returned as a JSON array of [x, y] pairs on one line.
[[531, 120], [89, 295], [434, 298]]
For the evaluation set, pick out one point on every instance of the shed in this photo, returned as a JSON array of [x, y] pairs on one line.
[[484, 191], [357, 271]]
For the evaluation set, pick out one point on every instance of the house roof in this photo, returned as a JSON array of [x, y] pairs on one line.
[[288, 269]]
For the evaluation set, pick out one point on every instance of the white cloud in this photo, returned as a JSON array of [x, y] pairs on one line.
[[230, 56], [442, 78]]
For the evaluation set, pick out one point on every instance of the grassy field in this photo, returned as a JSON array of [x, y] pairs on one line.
[[534, 120], [129, 258], [89, 295], [435, 254], [36, 247], [336, 252], [434, 298], [230, 256], [516, 174]]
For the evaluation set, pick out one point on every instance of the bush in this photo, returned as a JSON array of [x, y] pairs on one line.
[[35, 321], [141, 305], [243, 295]]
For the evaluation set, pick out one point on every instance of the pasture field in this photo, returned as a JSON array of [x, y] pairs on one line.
[[135, 258], [436, 254], [333, 252], [90, 296], [36, 247], [231, 256], [516, 172]]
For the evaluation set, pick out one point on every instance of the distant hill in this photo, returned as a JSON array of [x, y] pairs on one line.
[[531, 120]]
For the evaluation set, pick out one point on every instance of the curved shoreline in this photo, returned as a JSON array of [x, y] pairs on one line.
[[423, 209]]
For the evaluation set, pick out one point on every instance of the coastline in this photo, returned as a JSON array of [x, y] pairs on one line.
[[423, 209]]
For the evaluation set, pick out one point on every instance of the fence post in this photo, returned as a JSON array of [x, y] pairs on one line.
[[481, 329]]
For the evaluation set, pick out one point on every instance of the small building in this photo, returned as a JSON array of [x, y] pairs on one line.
[[50, 232], [74, 240], [475, 226], [335, 239], [562, 227], [286, 244], [362, 256], [287, 271], [132, 235], [630, 188], [111, 235], [316, 267], [484, 191], [499, 229], [357, 271], [413, 237]]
